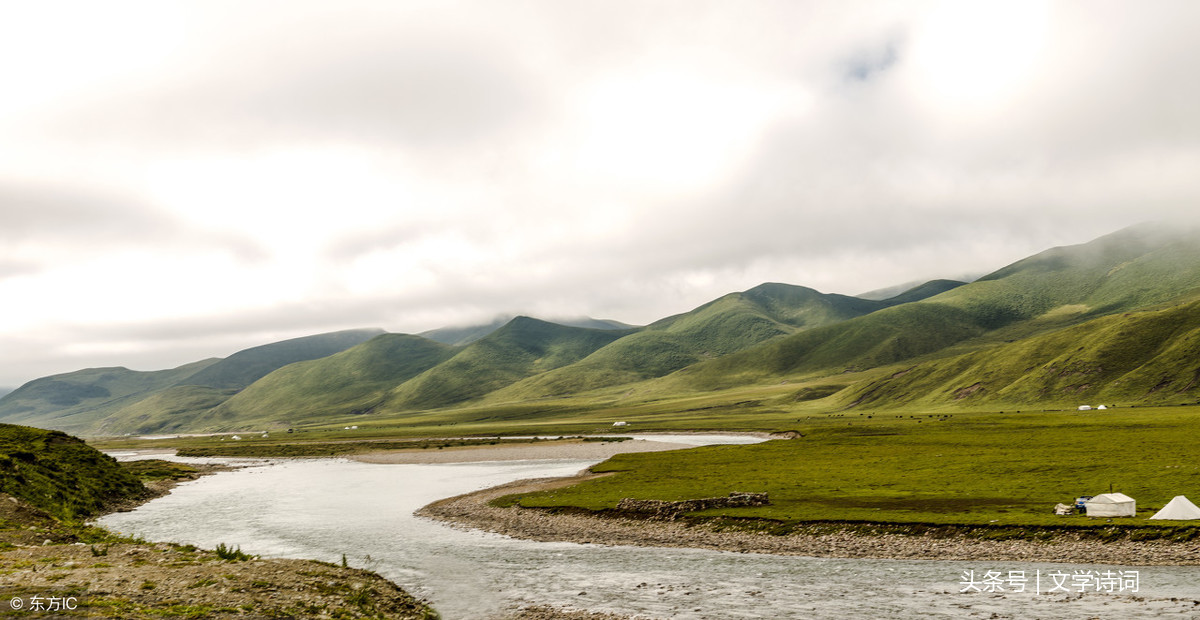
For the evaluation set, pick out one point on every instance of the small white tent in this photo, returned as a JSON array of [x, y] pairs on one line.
[[1178, 509], [1111, 505]]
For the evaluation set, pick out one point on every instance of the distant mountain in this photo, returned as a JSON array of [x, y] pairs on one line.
[[461, 335], [523, 347], [78, 401], [1146, 357], [4, 392], [895, 291], [923, 291], [245, 367], [105, 400], [723, 326], [1134, 268], [353, 381]]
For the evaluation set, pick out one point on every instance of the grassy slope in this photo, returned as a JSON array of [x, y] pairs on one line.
[[726, 325], [351, 382], [115, 400], [1062, 286], [78, 400], [1143, 357], [521, 348], [459, 336], [249, 365], [967, 468], [60, 474]]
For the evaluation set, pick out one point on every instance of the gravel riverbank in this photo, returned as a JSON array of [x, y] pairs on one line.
[[472, 510]]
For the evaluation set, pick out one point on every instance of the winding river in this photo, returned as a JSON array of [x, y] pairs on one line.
[[324, 509]]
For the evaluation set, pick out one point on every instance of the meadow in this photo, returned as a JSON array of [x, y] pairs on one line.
[[964, 468]]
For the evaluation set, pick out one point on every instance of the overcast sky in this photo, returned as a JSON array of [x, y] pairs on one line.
[[180, 180]]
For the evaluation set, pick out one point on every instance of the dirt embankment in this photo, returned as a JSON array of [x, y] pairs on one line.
[[97, 574], [473, 510]]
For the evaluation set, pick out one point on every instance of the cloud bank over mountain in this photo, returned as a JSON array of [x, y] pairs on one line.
[[182, 180]]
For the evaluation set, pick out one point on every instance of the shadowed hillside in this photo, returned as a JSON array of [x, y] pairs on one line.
[[1148, 357], [77, 401], [1057, 288], [521, 348], [467, 334], [111, 400], [247, 366], [353, 381], [729, 324]]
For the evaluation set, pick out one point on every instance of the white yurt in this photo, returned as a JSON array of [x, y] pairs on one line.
[[1178, 509], [1111, 505]]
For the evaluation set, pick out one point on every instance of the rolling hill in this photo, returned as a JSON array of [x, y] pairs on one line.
[[1134, 268], [522, 348], [353, 381], [105, 400], [1146, 357], [726, 325], [80, 401], [462, 335]]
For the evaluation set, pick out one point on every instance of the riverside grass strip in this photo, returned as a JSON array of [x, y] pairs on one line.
[[1001, 469], [343, 448]]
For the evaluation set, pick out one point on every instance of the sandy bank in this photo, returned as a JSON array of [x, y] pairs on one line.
[[573, 449], [472, 510]]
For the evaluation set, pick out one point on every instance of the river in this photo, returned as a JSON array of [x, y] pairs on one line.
[[324, 509]]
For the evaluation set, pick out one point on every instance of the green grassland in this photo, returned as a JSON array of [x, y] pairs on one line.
[[973, 468], [60, 474], [317, 448]]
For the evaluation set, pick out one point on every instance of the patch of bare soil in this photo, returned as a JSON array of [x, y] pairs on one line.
[[106, 576]]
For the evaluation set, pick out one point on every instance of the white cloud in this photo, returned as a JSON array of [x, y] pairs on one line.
[[179, 180]]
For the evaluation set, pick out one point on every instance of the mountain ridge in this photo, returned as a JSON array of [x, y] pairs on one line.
[[936, 333]]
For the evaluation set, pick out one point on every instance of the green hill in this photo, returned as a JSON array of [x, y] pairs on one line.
[[353, 381], [522, 348], [247, 366], [77, 401], [1057, 288], [60, 474], [1147, 357], [467, 334], [923, 291], [726, 325], [113, 400]]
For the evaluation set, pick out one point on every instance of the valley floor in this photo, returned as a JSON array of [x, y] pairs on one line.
[[473, 510]]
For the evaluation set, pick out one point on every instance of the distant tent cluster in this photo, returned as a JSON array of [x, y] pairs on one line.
[[1120, 505], [1089, 407]]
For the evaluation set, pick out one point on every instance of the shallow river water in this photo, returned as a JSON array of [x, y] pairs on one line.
[[322, 509]]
